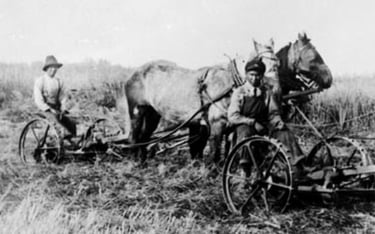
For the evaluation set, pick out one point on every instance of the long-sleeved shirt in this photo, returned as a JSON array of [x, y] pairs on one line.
[[237, 101], [49, 93]]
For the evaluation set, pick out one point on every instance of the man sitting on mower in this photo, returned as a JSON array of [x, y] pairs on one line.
[[49, 97], [254, 111]]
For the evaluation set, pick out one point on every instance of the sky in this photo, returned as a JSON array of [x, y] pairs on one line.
[[192, 33]]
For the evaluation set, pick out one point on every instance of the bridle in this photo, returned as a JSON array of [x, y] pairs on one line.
[[295, 54], [271, 57]]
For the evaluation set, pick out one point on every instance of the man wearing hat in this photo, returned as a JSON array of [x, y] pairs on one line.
[[254, 111], [49, 97]]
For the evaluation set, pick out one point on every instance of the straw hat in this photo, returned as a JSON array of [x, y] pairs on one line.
[[51, 61]]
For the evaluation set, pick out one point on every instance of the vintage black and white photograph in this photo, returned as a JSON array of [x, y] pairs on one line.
[[176, 116]]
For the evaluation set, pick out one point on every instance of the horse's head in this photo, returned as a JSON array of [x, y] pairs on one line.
[[302, 67], [266, 53]]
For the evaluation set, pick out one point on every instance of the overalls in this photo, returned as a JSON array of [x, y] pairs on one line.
[[253, 107], [65, 126], [257, 107]]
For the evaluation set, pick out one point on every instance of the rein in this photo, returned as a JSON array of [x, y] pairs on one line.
[[237, 79]]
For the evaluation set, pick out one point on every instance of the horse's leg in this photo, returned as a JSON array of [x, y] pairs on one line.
[[152, 119], [198, 136], [144, 125], [138, 125], [216, 138]]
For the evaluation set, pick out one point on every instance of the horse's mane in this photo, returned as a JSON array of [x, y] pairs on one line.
[[282, 55]]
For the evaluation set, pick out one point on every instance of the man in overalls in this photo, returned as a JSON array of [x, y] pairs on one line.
[[49, 97], [254, 111]]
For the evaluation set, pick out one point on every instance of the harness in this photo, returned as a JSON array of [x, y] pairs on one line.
[[295, 60], [236, 77], [204, 95]]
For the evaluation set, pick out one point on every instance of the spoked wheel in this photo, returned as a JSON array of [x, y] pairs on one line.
[[339, 151], [342, 152], [40, 143], [257, 176]]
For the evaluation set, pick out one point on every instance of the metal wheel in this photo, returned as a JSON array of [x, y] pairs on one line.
[[338, 151], [264, 182], [40, 143], [342, 152]]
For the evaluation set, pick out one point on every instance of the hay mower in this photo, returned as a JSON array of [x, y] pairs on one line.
[[335, 166]]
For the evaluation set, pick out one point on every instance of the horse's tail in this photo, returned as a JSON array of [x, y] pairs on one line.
[[123, 107], [128, 102]]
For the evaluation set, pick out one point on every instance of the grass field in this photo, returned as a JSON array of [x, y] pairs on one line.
[[174, 194]]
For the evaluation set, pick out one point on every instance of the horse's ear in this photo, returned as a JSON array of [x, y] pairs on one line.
[[271, 43], [302, 36], [256, 45], [306, 38]]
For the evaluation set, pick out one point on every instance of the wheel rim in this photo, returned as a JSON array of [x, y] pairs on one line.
[[39, 143], [266, 183]]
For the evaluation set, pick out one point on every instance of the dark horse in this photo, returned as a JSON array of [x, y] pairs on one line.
[[301, 67], [301, 70]]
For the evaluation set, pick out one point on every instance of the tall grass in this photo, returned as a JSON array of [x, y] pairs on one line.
[[173, 194], [37, 216], [349, 105], [16, 80]]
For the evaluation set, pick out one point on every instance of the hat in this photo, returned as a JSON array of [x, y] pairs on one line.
[[51, 61], [255, 65]]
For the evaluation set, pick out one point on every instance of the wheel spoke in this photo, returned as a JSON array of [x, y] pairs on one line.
[[44, 139], [35, 135], [351, 156], [249, 198], [271, 163], [249, 151], [264, 197], [282, 186], [236, 176]]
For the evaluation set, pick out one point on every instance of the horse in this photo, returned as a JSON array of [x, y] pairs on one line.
[[161, 89], [302, 67]]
